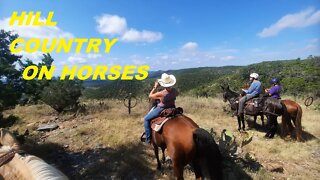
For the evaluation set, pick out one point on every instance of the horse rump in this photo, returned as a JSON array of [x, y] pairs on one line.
[[208, 156]]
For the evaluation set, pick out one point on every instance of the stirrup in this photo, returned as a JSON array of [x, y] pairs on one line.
[[143, 137]]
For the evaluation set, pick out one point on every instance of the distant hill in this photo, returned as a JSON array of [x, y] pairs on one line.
[[298, 77]]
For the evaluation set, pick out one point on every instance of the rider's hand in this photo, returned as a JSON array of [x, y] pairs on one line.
[[156, 84]]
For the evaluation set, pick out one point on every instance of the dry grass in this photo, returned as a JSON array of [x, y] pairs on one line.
[[107, 138]]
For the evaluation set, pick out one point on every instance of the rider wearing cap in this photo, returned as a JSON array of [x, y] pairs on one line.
[[275, 90], [253, 91], [167, 99]]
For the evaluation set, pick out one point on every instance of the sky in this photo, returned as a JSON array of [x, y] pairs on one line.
[[177, 34]]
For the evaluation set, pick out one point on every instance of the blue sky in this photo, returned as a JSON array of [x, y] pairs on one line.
[[179, 34]]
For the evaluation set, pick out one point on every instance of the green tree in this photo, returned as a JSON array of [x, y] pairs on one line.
[[10, 78], [62, 94], [34, 87]]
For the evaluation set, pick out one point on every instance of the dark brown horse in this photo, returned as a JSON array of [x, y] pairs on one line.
[[186, 143], [233, 98], [292, 111], [246, 86]]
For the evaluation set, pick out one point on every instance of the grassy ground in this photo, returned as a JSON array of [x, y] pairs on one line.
[[103, 143]]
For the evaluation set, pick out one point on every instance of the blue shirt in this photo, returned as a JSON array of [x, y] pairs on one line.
[[254, 89]]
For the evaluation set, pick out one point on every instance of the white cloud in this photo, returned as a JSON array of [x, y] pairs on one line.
[[227, 58], [93, 56], [175, 19], [35, 31], [137, 60], [301, 19], [315, 40], [116, 25], [77, 58], [35, 57], [190, 46], [111, 24], [133, 35], [164, 57]]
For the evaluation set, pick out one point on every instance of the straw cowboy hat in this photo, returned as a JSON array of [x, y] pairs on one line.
[[167, 80]]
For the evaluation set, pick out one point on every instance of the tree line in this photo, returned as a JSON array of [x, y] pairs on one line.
[[298, 77]]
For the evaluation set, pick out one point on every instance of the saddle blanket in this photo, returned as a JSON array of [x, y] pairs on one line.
[[157, 124]]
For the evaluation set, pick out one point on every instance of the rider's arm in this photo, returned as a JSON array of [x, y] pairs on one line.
[[272, 91], [153, 94], [253, 87]]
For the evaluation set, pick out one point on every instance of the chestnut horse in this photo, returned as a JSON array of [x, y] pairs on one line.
[[292, 111], [186, 143]]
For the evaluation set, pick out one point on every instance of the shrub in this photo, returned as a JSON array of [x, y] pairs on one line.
[[62, 94]]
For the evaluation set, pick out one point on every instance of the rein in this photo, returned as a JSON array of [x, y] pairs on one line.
[[7, 157], [232, 100]]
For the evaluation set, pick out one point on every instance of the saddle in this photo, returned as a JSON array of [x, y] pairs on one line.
[[253, 106], [165, 115], [273, 106]]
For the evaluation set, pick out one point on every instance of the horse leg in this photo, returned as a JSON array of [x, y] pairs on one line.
[[255, 120], [298, 124], [262, 119], [290, 126], [156, 152], [178, 169], [268, 126], [163, 155], [284, 125], [197, 170], [243, 123], [239, 123], [274, 126]]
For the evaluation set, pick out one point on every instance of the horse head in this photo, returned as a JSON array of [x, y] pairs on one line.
[[224, 93], [228, 94]]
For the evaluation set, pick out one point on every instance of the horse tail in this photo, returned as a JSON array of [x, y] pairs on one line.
[[298, 124], [207, 151]]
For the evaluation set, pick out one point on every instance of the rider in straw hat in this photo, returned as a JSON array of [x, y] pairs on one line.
[[167, 99]]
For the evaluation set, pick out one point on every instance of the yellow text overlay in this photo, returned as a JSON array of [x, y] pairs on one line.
[[102, 72]]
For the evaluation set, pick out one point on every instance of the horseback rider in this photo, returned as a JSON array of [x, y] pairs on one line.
[[275, 90], [271, 106], [253, 91], [167, 99]]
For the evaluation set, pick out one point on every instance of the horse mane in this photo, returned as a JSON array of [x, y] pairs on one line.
[[206, 146], [233, 94], [24, 166]]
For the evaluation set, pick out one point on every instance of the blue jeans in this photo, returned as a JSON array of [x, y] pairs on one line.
[[153, 113], [242, 101]]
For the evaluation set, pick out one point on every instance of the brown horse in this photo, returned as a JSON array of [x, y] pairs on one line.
[[186, 143], [292, 111]]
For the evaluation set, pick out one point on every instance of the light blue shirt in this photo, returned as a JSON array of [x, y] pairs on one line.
[[254, 89]]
